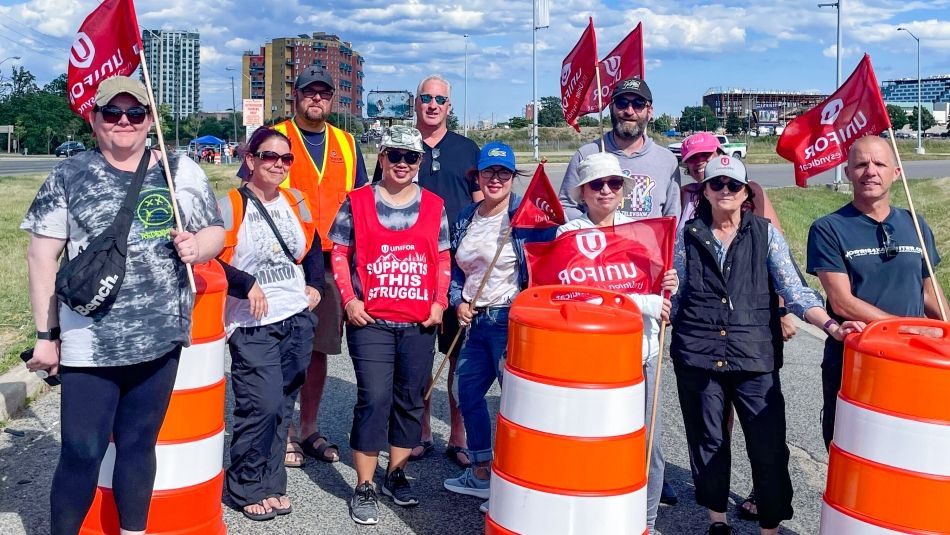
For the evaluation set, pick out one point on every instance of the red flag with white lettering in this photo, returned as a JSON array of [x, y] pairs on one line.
[[629, 258], [624, 61], [107, 44], [540, 207], [819, 139], [578, 72]]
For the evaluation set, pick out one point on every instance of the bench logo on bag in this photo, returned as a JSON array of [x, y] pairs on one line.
[[105, 290]]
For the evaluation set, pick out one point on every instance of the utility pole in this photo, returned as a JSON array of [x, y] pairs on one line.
[[536, 24], [837, 6], [920, 132], [465, 106]]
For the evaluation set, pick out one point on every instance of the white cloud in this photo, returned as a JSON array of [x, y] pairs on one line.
[[847, 52], [240, 43]]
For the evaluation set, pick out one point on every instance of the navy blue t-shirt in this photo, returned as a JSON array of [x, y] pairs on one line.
[[444, 171], [847, 241]]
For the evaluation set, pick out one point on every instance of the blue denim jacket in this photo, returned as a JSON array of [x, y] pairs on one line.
[[518, 236]]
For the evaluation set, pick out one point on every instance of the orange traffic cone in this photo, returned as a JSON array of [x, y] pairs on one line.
[[186, 497], [570, 447], [889, 463]]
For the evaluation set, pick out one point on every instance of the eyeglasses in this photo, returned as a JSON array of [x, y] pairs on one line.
[[112, 114], [396, 156], [434, 168], [427, 98], [623, 103], [890, 244], [270, 157], [309, 92], [734, 185], [502, 175], [615, 184]]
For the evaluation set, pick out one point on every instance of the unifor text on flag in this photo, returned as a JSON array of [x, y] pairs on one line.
[[624, 61], [820, 138], [578, 71], [630, 258], [107, 44], [540, 207]]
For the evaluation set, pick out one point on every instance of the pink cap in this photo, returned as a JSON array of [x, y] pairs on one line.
[[698, 144]]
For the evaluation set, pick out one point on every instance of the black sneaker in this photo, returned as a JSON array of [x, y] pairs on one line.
[[719, 528], [396, 486], [668, 495], [364, 506]]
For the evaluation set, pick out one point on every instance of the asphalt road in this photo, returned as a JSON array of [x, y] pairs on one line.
[[26, 165], [320, 491]]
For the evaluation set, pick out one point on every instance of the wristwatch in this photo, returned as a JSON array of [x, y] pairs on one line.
[[52, 334], [782, 312]]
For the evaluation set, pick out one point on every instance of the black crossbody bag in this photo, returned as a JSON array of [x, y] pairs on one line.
[[249, 195], [89, 283]]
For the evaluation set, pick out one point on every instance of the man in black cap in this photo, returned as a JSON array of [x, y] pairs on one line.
[[327, 165]]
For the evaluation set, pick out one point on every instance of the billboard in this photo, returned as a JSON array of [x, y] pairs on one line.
[[766, 115], [389, 105]]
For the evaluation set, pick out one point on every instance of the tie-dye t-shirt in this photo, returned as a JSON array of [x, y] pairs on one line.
[[152, 312]]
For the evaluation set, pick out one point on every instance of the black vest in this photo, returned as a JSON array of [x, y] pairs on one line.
[[728, 318]]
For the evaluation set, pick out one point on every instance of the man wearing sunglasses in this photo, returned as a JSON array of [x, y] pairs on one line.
[[444, 171], [868, 259], [653, 168], [327, 165]]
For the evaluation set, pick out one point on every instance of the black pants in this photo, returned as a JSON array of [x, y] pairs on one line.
[[268, 367], [393, 366], [831, 368], [127, 402], [704, 397]]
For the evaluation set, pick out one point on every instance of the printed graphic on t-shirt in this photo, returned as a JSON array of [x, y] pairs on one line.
[[400, 273], [154, 212], [639, 202], [273, 266]]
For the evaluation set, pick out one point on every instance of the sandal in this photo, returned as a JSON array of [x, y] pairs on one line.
[[427, 448], [319, 452], [293, 448], [452, 452], [280, 510], [745, 508], [258, 517]]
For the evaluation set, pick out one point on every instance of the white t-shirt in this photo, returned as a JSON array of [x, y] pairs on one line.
[[651, 305], [259, 253], [474, 255]]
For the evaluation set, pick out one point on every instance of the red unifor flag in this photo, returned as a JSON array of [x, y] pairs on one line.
[[578, 71], [107, 45], [819, 139], [629, 258], [624, 61], [540, 207]]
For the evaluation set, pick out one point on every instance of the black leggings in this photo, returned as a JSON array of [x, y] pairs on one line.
[[128, 402]]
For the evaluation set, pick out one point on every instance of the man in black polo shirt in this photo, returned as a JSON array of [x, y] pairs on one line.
[[868, 259], [444, 171]]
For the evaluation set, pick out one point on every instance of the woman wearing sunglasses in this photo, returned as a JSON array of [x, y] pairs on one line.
[[476, 237], [601, 187], [726, 343], [391, 252], [273, 260]]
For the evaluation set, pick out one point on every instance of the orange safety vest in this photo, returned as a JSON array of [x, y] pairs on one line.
[[326, 188], [232, 212]]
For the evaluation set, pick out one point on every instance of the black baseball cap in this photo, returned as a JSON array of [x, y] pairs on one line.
[[632, 85], [314, 75]]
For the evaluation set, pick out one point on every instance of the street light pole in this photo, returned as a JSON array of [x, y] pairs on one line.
[[233, 111], [920, 132], [465, 106], [837, 6]]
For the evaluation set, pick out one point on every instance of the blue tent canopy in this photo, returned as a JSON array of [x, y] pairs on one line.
[[208, 140]]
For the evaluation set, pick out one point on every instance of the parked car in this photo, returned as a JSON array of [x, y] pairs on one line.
[[69, 148], [736, 150]]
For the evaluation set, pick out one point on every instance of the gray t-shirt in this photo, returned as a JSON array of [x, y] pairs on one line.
[[152, 312], [655, 173]]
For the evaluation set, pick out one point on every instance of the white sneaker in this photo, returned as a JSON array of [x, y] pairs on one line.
[[484, 507]]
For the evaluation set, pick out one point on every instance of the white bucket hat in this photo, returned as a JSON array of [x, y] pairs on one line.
[[598, 165]]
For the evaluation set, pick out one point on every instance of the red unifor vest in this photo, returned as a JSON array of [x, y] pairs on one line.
[[398, 269]]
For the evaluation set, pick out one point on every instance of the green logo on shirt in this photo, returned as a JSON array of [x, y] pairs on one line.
[[154, 211]]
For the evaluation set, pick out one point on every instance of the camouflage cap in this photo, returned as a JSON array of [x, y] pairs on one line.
[[403, 137]]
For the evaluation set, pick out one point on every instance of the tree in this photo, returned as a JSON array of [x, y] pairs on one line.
[[518, 122], [551, 113], [452, 123], [733, 124], [663, 123], [698, 118], [57, 86], [23, 82], [898, 116], [588, 120], [42, 117], [927, 120]]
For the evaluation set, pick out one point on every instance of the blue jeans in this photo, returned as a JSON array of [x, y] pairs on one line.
[[479, 364]]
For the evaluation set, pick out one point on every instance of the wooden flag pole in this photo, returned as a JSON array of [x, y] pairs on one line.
[[656, 393], [600, 106], [920, 234], [168, 172]]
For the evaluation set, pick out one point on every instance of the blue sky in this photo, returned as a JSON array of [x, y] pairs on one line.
[[689, 46]]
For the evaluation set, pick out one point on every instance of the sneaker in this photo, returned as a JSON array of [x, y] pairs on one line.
[[484, 507], [719, 528], [668, 495], [364, 506], [396, 486], [467, 483]]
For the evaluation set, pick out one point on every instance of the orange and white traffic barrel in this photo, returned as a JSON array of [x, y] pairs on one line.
[[889, 462], [570, 444], [186, 497]]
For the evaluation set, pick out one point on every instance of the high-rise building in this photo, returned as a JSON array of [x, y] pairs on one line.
[[173, 59], [270, 73]]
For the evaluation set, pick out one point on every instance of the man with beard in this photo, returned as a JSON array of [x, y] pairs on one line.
[[327, 165], [654, 169]]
